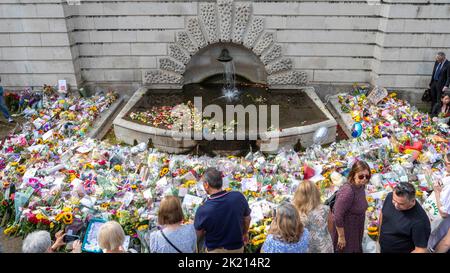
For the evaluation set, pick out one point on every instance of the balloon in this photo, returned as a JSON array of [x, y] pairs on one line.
[[356, 130], [320, 135]]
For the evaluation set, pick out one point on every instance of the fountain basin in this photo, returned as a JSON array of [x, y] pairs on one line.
[[298, 122]]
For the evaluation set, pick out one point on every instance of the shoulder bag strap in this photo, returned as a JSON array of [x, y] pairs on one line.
[[167, 239]]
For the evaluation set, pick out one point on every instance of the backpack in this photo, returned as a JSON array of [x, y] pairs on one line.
[[426, 97]]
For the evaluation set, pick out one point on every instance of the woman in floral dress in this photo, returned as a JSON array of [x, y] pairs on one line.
[[315, 217]]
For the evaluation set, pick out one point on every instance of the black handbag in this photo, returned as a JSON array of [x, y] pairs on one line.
[[426, 95], [330, 201]]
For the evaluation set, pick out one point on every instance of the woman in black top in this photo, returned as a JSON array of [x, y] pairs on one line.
[[443, 107]]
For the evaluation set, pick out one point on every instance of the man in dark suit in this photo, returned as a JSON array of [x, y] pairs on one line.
[[440, 79]]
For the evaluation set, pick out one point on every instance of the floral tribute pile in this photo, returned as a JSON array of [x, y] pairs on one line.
[[53, 176]]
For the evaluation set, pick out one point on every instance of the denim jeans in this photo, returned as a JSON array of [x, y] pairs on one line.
[[3, 107]]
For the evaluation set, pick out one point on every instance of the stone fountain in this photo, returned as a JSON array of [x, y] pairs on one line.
[[233, 65]]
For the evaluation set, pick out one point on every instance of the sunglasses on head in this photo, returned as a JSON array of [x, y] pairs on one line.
[[361, 176]]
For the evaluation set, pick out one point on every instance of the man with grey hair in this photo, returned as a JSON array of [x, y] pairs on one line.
[[37, 242], [41, 242], [440, 79], [224, 218]]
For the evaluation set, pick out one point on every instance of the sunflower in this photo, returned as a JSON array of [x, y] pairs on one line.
[[68, 218], [39, 141], [21, 169], [117, 168], [163, 171]]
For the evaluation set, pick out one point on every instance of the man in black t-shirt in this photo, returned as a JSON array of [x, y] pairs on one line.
[[224, 218], [405, 226]]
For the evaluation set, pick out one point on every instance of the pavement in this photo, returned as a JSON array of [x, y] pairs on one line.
[[10, 244]]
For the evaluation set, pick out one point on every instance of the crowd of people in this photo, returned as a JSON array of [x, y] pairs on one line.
[[439, 87], [304, 225]]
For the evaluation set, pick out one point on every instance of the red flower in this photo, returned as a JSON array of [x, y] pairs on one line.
[[32, 219]]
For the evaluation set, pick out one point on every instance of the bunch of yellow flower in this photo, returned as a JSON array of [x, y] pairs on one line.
[[142, 227], [21, 169], [65, 216], [88, 166], [10, 230], [258, 233], [189, 184], [117, 168]]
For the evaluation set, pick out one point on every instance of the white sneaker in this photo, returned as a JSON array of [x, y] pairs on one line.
[[10, 120]]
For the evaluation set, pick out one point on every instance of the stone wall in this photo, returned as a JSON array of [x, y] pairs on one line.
[[34, 44], [114, 42]]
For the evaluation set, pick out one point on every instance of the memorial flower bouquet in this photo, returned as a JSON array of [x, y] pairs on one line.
[[257, 235]]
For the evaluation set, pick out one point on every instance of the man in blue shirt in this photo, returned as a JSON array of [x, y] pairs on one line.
[[224, 218], [3, 107]]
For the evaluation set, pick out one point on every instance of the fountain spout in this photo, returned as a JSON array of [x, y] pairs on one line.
[[225, 56]]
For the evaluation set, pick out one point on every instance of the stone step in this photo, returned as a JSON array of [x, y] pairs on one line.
[[343, 119], [102, 124]]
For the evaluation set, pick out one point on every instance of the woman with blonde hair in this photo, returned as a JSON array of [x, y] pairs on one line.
[[286, 234], [315, 216], [111, 237], [172, 236]]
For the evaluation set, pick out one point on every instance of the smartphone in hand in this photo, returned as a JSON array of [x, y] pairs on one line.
[[70, 238]]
